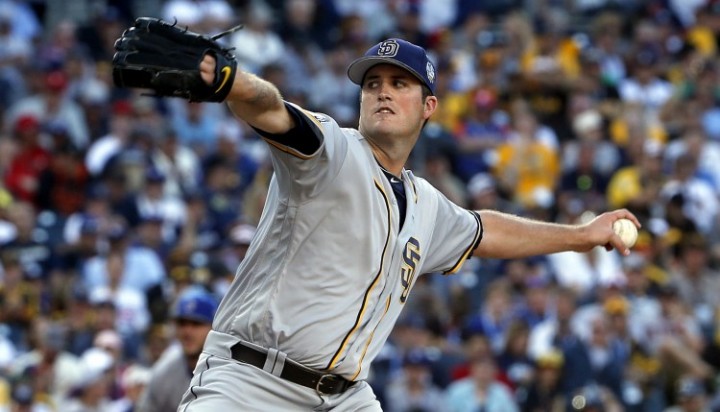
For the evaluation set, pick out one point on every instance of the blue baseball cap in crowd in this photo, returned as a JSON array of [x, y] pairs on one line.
[[397, 52], [690, 387], [197, 306], [417, 357], [23, 394]]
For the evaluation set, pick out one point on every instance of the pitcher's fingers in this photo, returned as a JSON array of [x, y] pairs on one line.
[[619, 245], [207, 69], [626, 214]]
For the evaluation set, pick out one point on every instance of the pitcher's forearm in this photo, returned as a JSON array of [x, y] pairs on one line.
[[507, 236], [259, 103]]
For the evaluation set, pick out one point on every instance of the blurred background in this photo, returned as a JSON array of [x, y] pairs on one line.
[[114, 203]]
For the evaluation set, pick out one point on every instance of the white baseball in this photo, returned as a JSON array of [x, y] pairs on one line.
[[627, 231]]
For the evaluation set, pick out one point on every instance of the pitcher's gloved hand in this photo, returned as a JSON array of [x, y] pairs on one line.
[[165, 58]]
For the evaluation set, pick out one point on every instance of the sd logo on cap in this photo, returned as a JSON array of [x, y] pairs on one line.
[[398, 52]]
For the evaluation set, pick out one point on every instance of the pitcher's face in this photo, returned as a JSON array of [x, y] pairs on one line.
[[392, 103]]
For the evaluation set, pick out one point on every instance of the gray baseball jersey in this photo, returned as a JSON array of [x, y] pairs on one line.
[[329, 269]]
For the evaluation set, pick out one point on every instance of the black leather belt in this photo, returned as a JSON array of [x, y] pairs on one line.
[[323, 383]]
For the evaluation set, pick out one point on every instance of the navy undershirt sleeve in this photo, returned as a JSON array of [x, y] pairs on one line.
[[305, 137]]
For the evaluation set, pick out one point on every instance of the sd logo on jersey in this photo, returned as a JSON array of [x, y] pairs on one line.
[[411, 257]]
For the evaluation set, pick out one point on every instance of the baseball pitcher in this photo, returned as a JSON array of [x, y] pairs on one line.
[[346, 228]]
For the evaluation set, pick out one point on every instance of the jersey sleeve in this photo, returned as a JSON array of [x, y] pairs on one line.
[[308, 157], [457, 233]]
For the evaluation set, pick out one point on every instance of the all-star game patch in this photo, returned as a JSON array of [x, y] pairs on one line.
[[320, 118]]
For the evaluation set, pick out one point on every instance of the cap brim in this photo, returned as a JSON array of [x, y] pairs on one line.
[[193, 318], [358, 68]]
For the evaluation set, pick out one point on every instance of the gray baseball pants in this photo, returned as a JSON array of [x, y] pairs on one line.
[[221, 383]]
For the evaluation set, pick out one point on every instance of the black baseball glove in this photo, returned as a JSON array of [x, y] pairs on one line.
[[156, 55]]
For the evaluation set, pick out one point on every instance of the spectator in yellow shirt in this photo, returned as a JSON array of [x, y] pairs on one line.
[[527, 168], [638, 185]]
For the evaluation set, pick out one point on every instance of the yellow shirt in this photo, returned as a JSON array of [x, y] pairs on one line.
[[452, 110], [566, 57], [526, 167], [624, 186], [703, 39], [4, 393]]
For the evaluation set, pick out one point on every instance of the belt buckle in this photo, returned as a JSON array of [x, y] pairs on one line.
[[321, 381]]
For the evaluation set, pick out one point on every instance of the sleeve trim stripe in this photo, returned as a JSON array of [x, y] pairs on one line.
[[287, 149], [312, 118], [480, 228], [471, 248]]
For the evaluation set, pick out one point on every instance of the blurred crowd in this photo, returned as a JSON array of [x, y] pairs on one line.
[[114, 203]]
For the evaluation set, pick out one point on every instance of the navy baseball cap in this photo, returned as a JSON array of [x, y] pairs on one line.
[[417, 357], [397, 52], [23, 394], [690, 387], [197, 306]]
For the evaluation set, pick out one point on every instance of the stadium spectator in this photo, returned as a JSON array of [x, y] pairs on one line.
[[527, 165], [103, 148], [92, 390], [53, 371], [412, 389], [257, 45], [22, 177], [480, 391], [170, 377], [543, 393], [479, 134], [51, 104], [559, 333]]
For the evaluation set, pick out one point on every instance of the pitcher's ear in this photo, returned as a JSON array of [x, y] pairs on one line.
[[431, 103]]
